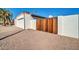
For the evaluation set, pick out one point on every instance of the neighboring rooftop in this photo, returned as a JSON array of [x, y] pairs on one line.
[[36, 16]]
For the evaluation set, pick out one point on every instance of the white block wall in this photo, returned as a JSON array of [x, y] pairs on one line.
[[19, 21], [25, 21], [28, 19], [68, 25]]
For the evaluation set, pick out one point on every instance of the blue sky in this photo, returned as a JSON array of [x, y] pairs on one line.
[[45, 12]]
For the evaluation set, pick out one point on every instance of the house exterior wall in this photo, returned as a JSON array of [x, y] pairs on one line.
[[68, 25], [28, 19], [19, 21], [25, 21]]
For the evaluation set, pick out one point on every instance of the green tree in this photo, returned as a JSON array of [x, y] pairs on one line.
[[6, 16]]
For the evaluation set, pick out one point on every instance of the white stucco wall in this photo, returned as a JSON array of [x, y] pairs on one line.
[[28, 19], [19, 21], [68, 26], [28, 24]]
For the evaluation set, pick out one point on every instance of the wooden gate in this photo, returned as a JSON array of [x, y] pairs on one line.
[[55, 25], [48, 25], [38, 24], [44, 25]]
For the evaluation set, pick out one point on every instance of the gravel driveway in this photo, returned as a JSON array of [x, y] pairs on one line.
[[38, 40], [8, 30]]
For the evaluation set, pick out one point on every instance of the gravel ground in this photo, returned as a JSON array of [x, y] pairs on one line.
[[8, 30], [38, 40]]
